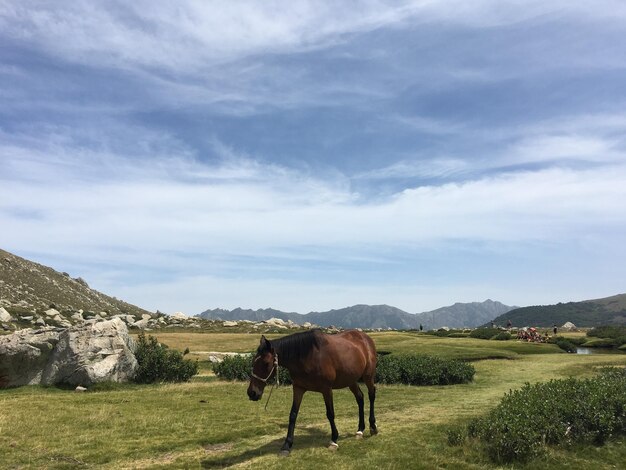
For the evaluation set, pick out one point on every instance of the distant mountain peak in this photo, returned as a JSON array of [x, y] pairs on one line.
[[375, 316]]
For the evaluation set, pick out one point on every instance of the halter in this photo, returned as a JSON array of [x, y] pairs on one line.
[[274, 367], [264, 380]]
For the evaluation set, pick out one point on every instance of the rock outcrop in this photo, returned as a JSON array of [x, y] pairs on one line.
[[81, 355]]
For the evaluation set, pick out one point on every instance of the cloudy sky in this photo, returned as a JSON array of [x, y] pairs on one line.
[[313, 155]]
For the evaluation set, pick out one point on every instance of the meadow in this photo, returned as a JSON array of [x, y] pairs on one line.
[[211, 424]]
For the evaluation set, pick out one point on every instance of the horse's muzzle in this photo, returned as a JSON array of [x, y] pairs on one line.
[[254, 396]]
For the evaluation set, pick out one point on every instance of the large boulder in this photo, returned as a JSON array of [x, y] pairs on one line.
[[81, 355]]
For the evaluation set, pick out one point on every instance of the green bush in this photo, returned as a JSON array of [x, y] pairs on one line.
[[240, 368], [608, 331], [485, 333], [422, 370], [565, 345], [158, 363], [502, 336], [443, 333], [559, 412]]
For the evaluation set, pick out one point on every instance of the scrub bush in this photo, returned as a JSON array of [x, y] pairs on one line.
[[158, 363], [485, 333], [240, 368], [422, 370], [558, 412], [565, 345], [502, 336]]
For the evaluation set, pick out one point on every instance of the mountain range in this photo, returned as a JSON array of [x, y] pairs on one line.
[[458, 315]]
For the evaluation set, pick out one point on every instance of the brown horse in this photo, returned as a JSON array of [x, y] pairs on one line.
[[320, 363]]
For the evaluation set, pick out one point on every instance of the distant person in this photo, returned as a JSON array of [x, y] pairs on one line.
[[493, 324], [421, 327], [554, 329], [509, 325]]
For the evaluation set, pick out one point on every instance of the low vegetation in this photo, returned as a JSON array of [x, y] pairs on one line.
[[558, 413], [239, 368], [158, 363], [607, 336], [422, 370], [486, 333], [209, 423]]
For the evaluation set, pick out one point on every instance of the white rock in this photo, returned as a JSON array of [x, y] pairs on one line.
[[230, 323], [307, 324], [80, 355], [52, 312], [146, 316], [80, 389], [180, 316], [4, 315], [141, 323], [78, 316]]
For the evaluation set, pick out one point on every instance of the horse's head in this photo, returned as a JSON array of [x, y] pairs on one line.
[[264, 367]]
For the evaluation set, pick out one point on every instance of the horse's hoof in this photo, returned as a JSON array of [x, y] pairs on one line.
[[373, 431], [359, 434], [284, 453], [333, 446]]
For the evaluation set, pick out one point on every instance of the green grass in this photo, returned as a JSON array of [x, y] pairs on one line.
[[458, 348], [212, 424]]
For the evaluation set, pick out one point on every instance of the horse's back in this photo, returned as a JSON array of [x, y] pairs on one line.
[[354, 356]]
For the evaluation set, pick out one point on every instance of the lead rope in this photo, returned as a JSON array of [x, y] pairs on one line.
[[276, 383]]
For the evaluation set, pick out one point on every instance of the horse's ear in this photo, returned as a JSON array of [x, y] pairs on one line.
[[265, 344]]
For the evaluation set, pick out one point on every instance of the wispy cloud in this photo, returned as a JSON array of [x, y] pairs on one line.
[[316, 144]]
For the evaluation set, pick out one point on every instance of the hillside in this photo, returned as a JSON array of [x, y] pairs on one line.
[[588, 313], [29, 289], [376, 316]]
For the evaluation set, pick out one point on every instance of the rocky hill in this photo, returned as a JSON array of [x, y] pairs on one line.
[[32, 293], [376, 316], [34, 288], [588, 313]]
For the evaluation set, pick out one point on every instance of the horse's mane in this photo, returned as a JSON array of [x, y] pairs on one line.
[[295, 346]]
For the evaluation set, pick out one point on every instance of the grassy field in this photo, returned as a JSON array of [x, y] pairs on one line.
[[211, 424]]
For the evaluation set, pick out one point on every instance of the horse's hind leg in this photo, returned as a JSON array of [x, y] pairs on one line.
[[371, 391], [330, 414], [358, 394]]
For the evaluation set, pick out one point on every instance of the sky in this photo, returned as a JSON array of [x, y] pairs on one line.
[[310, 155]]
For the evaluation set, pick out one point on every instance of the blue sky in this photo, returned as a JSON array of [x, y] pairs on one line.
[[313, 155]]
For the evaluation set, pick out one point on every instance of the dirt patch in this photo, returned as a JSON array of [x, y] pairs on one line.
[[216, 448]]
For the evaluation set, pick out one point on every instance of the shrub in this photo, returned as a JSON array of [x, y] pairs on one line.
[[502, 336], [441, 332], [422, 370], [485, 333], [559, 412], [158, 363], [608, 331], [565, 344], [240, 368], [458, 335], [456, 436]]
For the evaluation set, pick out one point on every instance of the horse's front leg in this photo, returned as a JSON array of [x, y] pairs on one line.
[[298, 393], [330, 414]]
